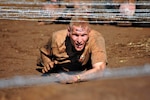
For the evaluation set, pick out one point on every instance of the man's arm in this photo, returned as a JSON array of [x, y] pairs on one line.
[[45, 56], [97, 67], [46, 61], [84, 76]]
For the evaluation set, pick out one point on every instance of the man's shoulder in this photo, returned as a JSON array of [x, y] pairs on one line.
[[95, 33], [60, 33], [59, 37], [95, 37]]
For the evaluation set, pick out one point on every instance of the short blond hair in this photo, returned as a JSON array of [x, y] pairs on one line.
[[79, 22]]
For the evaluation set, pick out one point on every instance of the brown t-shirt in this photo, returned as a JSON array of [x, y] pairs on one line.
[[62, 52]]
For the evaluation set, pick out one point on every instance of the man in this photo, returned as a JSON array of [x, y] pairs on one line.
[[78, 48], [128, 8], [51, 8]]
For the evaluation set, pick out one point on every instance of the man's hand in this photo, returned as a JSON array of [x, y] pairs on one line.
[[47, 63], [47, 66]]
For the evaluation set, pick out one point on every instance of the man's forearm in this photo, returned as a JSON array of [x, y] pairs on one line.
[[45, 55], [87, 75], [45, 58]]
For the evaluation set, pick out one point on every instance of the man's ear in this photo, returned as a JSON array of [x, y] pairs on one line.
[[89, 30], [69, 30]]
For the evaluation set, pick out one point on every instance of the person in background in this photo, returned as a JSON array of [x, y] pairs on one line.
[[74, 8], [50, 8], [128, 8], [78, 48]]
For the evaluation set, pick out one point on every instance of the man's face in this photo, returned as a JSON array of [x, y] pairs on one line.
[[79, 37]]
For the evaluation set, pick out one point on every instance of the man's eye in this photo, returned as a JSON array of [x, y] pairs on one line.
[[75, 35], [84, 34]]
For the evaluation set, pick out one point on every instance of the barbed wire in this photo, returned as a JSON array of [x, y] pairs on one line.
[[97, 15], [94, 3], [109, 73]]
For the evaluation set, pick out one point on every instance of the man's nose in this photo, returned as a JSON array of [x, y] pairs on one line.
[[79, 39]]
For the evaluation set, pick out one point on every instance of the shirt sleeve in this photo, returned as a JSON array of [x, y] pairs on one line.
[[46, 49], [98, 51]]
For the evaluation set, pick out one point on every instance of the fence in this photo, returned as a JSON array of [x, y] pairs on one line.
[[98, 12]]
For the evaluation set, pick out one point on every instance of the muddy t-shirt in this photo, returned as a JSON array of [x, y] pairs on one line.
[[64, 55]]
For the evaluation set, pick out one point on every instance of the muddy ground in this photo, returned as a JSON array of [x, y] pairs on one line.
[[126, 46]]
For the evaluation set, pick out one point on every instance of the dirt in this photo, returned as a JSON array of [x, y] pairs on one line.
[[126, 46]]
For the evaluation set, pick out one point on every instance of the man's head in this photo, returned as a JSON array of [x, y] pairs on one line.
[[78, 31]]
